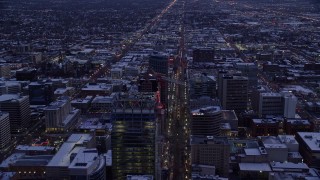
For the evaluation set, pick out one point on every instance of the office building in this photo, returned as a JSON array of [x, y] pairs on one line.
[[203, 170], [5, 136], [254, 170], [234, 93], [159, 63], [26, 166], [60, 116], [133, 136], [206, 121], [203, 55], [103, 103], [221, 74], [289, 104], [309, 148], [82, 104], [249, 70], [60, 92], [116, 73], [264, 127], [10, 87], [26, 74], [213, 151], [270, 104], [276, 150], [41, 93], [229, 116], [277, 104], [292, 126], [292, 171], [19, 113], [202, 85], [148, 84]]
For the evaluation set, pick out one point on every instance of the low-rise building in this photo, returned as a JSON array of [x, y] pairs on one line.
[[264, 127], [254, 170], [309, 147], [213, 151]]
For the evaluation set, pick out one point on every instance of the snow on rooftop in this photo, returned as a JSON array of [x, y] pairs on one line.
[[288, 165], [62, 157], [84, 159], [34, 148], [255, 167], [208, 109], [11, 159], [312, 139], [298, 88], [252, 151]]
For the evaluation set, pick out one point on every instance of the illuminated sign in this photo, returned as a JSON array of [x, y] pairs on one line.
[[197, 114]]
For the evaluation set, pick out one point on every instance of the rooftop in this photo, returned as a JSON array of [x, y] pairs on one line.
[[103, 99], [272, 142], [278, 166], [84, 159], [37, 160], [82, 101], [57, 104], [268, 94], [92, 123], [312, 139], [264, 121], [206, 110], [208, 140], [11, 97], [287, 139], [252, 151], [11, 159], [229, 115], [34, 148], [7, 175], [262, 167], [298, 122], [62, 157]]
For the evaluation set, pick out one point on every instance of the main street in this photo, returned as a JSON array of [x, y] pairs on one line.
[[177, 145]]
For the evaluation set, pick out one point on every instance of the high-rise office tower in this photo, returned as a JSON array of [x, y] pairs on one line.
[[270, 104], [5, 135], [289, 104], [249, 70], [234, 93], [202, 85], [159, 63], [41, 93], [60, 116], [221, 74], [133, 136], [19, 113], [206, 121]]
